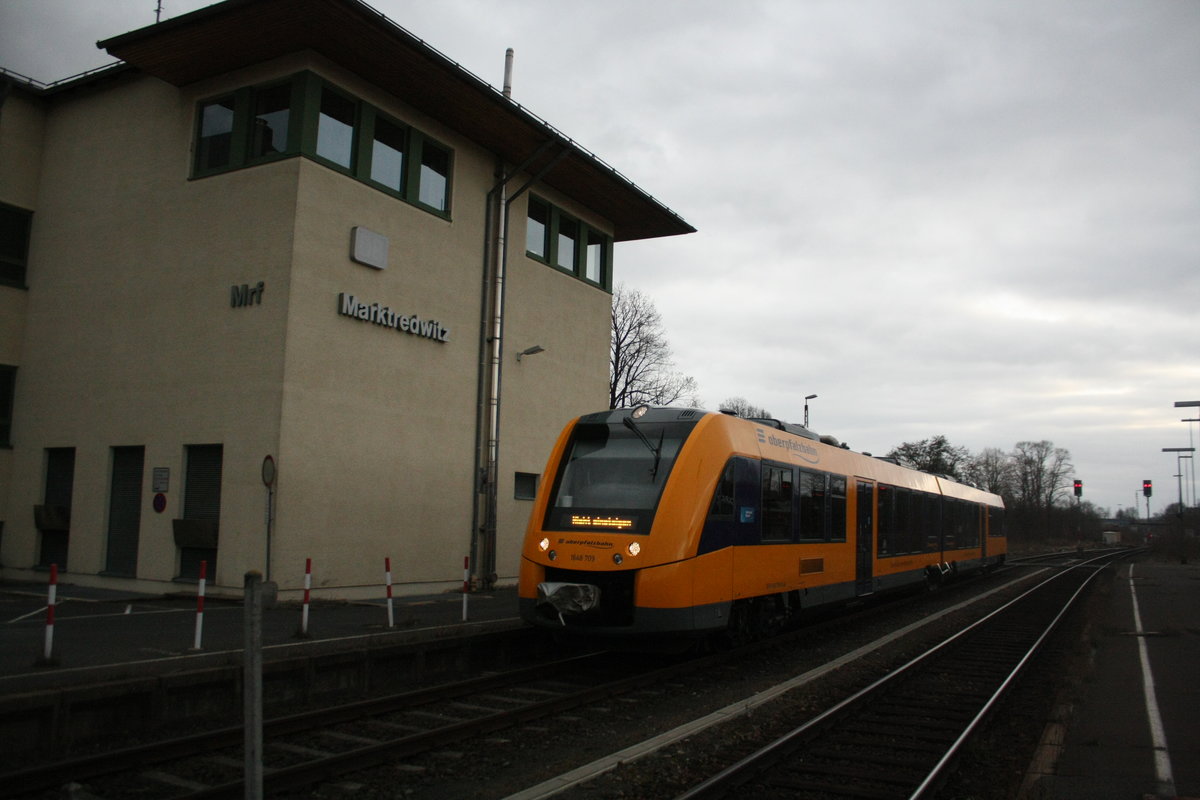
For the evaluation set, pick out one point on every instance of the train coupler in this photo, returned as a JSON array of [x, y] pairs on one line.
[[568, 598]]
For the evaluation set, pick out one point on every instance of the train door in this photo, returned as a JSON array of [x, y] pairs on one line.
[[864, 537]]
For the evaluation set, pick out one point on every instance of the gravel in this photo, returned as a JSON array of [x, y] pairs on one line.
[[513, 760]]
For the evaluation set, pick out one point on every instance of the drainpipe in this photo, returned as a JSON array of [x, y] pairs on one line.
[[495, 268]]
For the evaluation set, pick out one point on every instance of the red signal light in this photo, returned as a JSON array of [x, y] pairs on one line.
[[1147, 488]]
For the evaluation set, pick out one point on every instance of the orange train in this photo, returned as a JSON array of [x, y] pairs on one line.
[[670, 521]]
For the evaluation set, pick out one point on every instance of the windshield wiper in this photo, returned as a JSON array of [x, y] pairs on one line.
[[657, 451]]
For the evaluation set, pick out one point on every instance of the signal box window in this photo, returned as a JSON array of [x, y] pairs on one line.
[[537, 226], [272, 116], [560, 240], [596, 257], [568, 239], [435, 177], [214, 145], [335, 128], [387, 155]]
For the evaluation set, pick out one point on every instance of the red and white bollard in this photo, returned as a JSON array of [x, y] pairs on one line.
[[466, 584], [200, 605], [52, 599], [307, 592], [387, 573]]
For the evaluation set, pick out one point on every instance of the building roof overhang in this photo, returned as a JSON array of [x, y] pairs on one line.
[[240, 33]]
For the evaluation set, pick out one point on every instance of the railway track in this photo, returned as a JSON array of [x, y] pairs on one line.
[[898, 737], [304, 749]]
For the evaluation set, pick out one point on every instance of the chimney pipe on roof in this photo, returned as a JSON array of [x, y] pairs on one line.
[[508, 64]]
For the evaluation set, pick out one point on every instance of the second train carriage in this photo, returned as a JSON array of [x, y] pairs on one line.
[[680, 521]]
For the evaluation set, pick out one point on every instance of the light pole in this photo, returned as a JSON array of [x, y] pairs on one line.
[[1179, 456], [1190, 404], [806, 399], [1192, 441]]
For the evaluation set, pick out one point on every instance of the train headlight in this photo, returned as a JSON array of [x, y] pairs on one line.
[[544, 544], [634, 548]]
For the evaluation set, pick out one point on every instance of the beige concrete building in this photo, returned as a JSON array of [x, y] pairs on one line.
[[328, 260]]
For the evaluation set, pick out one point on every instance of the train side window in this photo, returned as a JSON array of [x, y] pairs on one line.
[[885, 516], [950, 521], [900, 521], [931, 522], [995, 522], [722, 502], [777, 489], [813, 501], [837, 508]]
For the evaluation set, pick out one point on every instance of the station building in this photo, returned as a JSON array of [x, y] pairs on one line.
[[287, 283]]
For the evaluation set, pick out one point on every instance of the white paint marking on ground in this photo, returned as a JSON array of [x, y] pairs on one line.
[[1158, 734]]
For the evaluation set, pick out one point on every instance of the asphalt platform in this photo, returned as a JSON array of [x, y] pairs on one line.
[[1132, 731], [101, 627]]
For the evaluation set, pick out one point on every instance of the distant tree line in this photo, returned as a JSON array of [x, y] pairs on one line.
[[1034, 478]]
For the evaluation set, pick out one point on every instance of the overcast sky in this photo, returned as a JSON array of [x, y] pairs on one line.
[[978, 218]]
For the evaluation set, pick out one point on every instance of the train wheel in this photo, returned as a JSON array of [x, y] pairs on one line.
[[933, 579], [741, 624]]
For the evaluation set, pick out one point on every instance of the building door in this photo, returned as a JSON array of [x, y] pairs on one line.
[[124, 511], [53, 517], [864, 537], [201, 510]]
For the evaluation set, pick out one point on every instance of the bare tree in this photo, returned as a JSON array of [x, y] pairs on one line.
[[641, 369], [991, 470], [744, 408], [1041, 471]]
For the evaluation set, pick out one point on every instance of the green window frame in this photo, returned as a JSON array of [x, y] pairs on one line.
[[537, 230], [387, 156], [570, 245], [431, 164], [15, 226], [338, 127], [308, 116]]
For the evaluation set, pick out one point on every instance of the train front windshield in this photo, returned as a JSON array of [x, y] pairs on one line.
[[612, 475]]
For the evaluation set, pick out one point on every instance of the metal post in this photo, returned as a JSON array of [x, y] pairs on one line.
[[196, 638], [466, 585], [307, 597], [252, 714], [387, 574], [51, 602]]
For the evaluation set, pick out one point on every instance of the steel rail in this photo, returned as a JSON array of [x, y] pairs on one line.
[[97, 765], [766, 757]]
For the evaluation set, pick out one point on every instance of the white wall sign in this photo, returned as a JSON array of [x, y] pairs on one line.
[[368, 247]]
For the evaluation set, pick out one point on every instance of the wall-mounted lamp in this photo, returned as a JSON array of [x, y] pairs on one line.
[[529, 351]]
